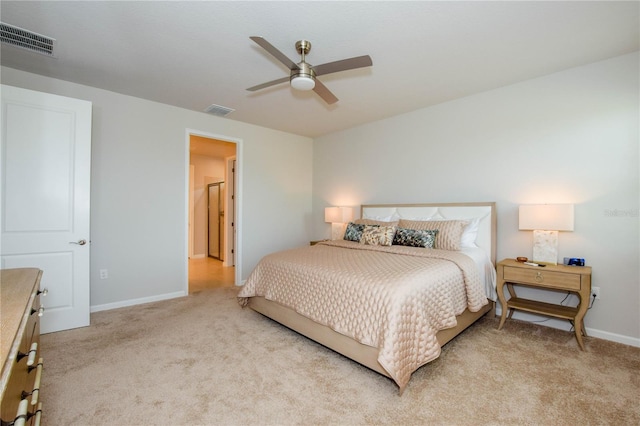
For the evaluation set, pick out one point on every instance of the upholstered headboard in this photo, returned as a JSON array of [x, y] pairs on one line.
[[484, 211]]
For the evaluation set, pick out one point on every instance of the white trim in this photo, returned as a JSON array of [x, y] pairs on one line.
[[614, 337], [566, 326], [140, 301], [238, 204], [229, 257], [199, 256]]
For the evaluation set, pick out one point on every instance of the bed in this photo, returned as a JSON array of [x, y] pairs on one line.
[[389, 307]]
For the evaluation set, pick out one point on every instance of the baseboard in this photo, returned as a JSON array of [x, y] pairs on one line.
[[619, 338], [140, 301], [565, 325], [198, 256]]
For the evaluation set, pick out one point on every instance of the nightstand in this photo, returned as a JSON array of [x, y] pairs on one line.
[[574, 279]]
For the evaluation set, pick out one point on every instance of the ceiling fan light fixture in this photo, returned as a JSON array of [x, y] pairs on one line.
[[303, 82]]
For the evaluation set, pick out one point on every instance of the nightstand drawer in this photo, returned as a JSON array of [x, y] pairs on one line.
[[542, 278]]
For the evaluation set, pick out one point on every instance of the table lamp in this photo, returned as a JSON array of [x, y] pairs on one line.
[[338, 217], [545, 220]]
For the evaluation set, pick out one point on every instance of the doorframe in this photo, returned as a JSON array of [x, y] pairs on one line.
[[230, 193], [238, 202]]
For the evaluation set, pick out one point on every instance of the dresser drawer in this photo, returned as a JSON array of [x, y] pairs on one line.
[[20, 343], [18, 382], [542, 278]]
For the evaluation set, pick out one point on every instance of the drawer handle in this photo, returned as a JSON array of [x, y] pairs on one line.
[[43, 292], [21, 415], [32, 354], [539, 277], [40, 311], [36, 383], [38, 415]]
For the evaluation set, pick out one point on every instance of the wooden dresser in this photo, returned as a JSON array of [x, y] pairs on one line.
[[20, 346]]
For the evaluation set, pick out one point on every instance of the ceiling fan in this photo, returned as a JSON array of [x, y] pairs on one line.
[[303, 75]]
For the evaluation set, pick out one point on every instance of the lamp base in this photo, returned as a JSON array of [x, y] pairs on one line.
[[545, 247]]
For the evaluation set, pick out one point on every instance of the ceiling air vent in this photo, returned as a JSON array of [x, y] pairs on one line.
[[218, 110], [26, 39]]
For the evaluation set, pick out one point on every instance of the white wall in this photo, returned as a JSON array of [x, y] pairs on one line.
[[570, 137], [139, 183]]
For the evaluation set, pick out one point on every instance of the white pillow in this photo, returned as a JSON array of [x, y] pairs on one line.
[[470, 233]]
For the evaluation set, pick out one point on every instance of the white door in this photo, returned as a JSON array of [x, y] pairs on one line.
[[46, 165]]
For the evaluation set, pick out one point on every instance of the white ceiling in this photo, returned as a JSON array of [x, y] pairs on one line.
[[194, 54]]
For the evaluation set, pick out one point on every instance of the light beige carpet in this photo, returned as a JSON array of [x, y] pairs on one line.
[[202, 360]]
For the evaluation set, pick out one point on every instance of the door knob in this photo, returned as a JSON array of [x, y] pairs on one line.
[[80, 242]]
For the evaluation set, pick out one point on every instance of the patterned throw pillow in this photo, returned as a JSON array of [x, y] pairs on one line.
[[415, 237], [378, 235], [353, 232]]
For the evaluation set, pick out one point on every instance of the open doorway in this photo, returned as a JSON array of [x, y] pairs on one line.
[[212, 167]]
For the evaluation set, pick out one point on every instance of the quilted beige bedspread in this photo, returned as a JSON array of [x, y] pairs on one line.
[[393, 298]]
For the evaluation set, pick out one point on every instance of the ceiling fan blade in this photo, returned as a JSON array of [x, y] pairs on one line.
[[343, 65], [324, 93], [268, 83], [275, 52]]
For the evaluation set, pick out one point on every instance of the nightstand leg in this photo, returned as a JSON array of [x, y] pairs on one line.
[[503, 302], [512, 293], [579, 320], [503, 318], [579, 334]]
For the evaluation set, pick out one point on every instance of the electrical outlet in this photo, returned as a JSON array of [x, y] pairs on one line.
[[595, 291], [104, 274]]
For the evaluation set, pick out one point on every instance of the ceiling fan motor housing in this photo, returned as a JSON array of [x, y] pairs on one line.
[[303, 78], [303, 47]]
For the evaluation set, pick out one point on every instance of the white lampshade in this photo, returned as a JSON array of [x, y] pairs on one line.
[[303, 82], [338, 214], [548, 217]]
